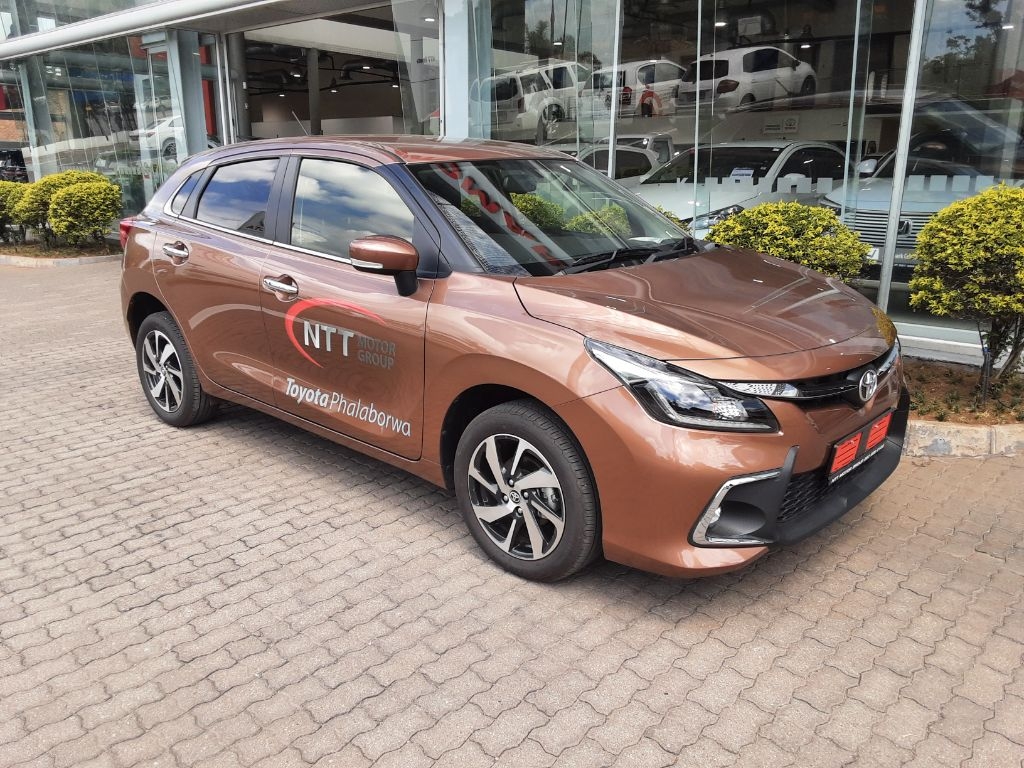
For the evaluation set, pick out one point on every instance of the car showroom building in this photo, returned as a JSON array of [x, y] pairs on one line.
[[886, 111]]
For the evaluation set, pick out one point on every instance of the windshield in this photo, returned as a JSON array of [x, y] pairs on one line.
[[539, 217], [722, 163], [925, 166], [710, 69]]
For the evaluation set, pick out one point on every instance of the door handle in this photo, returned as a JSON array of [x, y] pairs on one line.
[[278, 286], [178, 251]]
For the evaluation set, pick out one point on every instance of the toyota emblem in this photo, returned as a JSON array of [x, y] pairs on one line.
[[868, 385]]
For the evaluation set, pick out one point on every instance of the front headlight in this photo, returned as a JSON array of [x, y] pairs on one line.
[[682, 398], [708, 220]]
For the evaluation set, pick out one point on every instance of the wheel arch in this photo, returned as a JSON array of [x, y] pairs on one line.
[[471, 403], [141, 306]]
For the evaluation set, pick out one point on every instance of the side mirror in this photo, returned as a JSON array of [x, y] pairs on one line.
[[867, 167], [387, 255]]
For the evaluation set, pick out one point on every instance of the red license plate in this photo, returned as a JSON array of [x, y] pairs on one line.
[[853, 450]]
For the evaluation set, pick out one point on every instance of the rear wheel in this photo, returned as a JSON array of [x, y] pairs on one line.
[[526, 493], [168, 374]]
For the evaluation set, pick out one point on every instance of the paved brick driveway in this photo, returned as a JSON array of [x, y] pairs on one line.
[[243, 593]]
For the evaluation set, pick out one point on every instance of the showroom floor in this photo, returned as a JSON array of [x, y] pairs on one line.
[[244, 593]]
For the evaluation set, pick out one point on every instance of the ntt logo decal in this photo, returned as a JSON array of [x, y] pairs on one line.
[[319, 335]]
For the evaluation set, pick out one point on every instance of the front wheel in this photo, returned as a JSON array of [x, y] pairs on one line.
[[168, 374], [809, 87], [525, 491]]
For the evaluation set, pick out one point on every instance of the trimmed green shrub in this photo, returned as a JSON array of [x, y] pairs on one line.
[[10, 193], [85, 211], [970, 265], [807, 235], [33, 208], [543, 213], [611, 219]]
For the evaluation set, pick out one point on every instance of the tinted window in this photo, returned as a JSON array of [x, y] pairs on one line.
[[766, 59], [710, 69], [629, 164], [664, 72], [178, 203], [499, 89], [336, 202], [828, 164], [533, 83], [645, 74], [815, 164], [237, 195], [718, 163], [560, 77]]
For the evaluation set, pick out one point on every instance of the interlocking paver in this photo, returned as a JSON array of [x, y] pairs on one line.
[[246, 594]]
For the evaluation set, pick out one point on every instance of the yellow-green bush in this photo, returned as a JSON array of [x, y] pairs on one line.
[[611, 219], [807, 235], [10, 194], [673, 218], [84, 212], [33, 208], [970, 264], [543, 213]]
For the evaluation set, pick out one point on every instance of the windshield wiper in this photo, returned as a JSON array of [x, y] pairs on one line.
[[591, 260], [651, 252]]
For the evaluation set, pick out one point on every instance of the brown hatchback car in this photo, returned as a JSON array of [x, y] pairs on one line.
[[508, 323]]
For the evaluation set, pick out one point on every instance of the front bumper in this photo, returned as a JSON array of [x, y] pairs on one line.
[[656, 482], [780, 507]]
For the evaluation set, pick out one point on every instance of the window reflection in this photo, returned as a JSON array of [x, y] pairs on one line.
[[336, 203], [236, 197]]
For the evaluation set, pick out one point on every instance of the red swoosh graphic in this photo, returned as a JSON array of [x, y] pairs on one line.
[[293, 312]]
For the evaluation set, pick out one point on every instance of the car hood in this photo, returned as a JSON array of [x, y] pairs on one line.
[[722, 304], [680, 198], [875, 194]]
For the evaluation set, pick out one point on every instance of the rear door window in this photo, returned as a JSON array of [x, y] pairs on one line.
[[236, 196]]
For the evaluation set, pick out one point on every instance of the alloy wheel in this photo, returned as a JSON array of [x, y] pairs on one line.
[[516, 497], [162, 370]]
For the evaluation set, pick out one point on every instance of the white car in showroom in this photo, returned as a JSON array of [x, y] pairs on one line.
[[747, 75], [732, 176], [640, 89]]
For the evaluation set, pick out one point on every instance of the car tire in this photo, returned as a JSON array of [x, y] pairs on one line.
[[169, 150], [809, 87], [168, 373], [556, 530]]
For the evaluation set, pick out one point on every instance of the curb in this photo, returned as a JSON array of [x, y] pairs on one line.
[[932, 438], [9, 260]]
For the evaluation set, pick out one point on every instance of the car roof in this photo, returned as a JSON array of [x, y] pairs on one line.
[[637, 64], [399, 148], [770, 144], [736, 53]]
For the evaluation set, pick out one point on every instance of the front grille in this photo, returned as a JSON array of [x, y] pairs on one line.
[[808, 489], [802, 493], [871, 226]]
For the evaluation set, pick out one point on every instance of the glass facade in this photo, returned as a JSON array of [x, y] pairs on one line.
[[23, 17], [883, 111]]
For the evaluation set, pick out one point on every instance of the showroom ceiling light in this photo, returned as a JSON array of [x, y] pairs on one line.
[[720, 23]]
